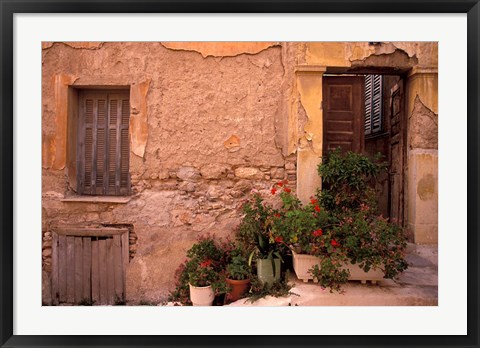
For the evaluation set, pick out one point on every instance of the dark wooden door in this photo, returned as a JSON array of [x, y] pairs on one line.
[[343, 113], [397, 153]]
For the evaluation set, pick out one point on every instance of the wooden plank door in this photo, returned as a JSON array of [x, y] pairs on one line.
[[343, 113], [89, 269], [397, 153]]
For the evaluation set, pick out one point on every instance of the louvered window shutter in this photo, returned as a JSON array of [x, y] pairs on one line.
[[373, 104], [103, 151]]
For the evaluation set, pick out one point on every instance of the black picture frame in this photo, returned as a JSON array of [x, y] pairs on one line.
[[9, 7]]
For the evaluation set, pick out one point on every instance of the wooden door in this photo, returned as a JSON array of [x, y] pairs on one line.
[[89, 269], [397, 153], [343, 113]]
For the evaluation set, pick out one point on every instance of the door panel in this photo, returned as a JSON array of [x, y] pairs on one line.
[[343, 113], [397, 153]]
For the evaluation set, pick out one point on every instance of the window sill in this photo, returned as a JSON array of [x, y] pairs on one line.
[[98, 199]]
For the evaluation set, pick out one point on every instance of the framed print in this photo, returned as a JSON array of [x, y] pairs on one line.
[[157, 155]]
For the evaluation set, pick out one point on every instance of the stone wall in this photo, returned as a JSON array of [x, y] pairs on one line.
[[210, 139]]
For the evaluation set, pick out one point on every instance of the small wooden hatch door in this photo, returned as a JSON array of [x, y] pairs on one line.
[[88, 266]]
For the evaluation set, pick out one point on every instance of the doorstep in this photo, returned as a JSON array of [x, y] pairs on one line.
[[417, 286]]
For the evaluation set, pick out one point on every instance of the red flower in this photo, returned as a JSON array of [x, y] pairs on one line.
[[277, 215], [280, 183], [287, 190], [317, 233], [334, 243], [274, 190], [206, 263], [278, 239], [313, 201], [317, 208]]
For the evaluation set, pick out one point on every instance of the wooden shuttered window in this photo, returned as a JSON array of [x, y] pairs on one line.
[[103, 143], [373, 104]]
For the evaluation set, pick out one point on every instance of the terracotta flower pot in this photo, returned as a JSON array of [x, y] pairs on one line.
[[239, 288], [201, 295]]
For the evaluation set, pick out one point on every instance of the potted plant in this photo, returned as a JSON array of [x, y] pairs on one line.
[[237, 275], [338, 235], [307, 230], [374, 246], [201, 276], [255, 235]]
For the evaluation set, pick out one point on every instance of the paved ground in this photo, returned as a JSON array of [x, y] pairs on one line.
[[417, 286]]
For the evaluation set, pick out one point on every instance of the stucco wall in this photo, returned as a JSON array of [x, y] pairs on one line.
[[209, 123], [204, 133]]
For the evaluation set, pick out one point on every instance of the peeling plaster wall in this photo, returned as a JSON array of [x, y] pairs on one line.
[[343, 54], [205, 130]]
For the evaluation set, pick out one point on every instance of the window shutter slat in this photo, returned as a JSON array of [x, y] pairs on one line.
[[101, 145], [88, 159]]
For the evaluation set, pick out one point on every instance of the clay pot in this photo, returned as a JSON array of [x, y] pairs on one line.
[[238, 289], [201, 295]]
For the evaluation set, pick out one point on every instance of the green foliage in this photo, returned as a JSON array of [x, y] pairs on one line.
[[254, 232], [361, 236], [237, 267], [260, 290], [300, 225], [347, 180], [371, 241], [205, 266], [330, 273]]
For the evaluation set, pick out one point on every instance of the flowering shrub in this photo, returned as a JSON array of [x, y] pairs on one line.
[[372, 241], [364, 237], [301, 226], [255, 231]]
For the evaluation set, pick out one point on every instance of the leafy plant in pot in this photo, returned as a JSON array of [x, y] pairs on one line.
[[201, 276], [362, 237], [238, 275], [307, 230], [254, 234]]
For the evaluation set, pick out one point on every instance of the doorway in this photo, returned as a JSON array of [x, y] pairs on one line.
[[365, 114]]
